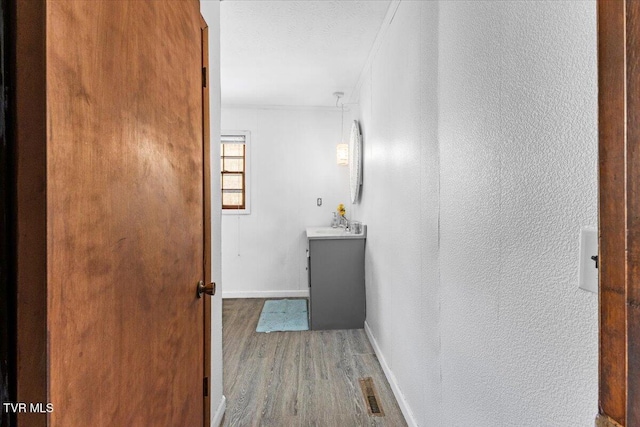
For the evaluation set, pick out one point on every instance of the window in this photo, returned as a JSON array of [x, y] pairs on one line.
[[234, 147]]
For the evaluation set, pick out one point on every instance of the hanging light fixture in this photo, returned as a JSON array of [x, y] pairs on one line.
[[342, 150]]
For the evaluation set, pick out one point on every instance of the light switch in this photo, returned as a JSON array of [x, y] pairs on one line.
[[588, 259]]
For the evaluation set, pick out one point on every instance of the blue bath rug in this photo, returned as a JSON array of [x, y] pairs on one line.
[[284, 315]]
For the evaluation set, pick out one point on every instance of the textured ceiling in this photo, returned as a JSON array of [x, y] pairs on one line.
[[295, 52]]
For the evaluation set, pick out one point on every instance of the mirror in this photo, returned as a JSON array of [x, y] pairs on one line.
[[355, 161]]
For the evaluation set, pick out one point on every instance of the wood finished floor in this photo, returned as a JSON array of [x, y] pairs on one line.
[[307, 378]]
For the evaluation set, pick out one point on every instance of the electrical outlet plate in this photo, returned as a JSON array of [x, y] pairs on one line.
[[588, 248]]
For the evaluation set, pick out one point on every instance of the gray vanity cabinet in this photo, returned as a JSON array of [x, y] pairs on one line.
[[336, 283]]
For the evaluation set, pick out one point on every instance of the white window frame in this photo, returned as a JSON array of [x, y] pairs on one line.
[[247, 173]]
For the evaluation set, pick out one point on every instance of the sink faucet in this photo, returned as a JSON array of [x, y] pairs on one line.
[[344, 223]]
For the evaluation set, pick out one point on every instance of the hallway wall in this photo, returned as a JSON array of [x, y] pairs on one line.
[[293, 162], [480, 167], [399, 204]]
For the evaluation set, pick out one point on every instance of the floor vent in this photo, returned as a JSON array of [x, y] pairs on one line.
[[371, 397]]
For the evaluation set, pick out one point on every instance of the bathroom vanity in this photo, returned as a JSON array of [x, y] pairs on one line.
[[335, 263]]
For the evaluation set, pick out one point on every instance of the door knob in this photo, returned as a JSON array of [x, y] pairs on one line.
[[209, 289]]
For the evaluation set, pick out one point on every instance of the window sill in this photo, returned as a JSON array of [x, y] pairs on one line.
[[236, 211]]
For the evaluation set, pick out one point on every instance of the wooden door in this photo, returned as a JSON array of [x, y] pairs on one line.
[[124, 213]]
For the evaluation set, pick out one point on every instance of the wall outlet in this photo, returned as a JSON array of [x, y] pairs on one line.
[[319, 201], [588, 250]]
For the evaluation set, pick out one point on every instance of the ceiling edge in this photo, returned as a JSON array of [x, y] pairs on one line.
[[386, 23]]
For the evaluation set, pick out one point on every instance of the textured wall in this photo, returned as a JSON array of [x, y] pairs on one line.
[[479, 123], [293, 162]]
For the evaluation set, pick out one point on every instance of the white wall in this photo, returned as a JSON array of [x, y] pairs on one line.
[[211, 13], [293, 162], [480, 167]]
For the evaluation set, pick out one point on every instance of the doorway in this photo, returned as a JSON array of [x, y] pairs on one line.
[[619, 204]]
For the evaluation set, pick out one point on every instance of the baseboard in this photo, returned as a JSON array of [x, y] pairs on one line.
[[266, 294], [404, 406], [216, 421]]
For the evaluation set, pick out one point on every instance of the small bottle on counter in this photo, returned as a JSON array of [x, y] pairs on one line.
[[334, 221]]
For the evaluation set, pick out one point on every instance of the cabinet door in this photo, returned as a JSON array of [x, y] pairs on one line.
[[337, 293]]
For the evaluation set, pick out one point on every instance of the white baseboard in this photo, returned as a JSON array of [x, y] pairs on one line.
[[404, 406], [266, 294], [216, 421]]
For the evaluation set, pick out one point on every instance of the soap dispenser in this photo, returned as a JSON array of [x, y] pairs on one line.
[[334, 221]]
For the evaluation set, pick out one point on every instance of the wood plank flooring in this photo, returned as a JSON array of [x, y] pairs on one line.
[[307, 378]]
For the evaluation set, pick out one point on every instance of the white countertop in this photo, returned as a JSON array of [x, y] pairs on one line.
[[314, 233]]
